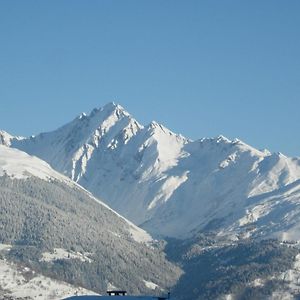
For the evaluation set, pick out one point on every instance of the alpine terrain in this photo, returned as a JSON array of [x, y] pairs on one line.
[[170, 185], [225, 216]]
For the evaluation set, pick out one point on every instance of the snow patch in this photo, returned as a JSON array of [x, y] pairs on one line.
[[150, 285], [22, 282], [228, 161], [167, 189], [140, 235], [254, 213], [111, 287], [5, 247], [59, 253]]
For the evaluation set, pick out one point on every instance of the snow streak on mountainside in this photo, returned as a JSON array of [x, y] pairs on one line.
[[168, 184]]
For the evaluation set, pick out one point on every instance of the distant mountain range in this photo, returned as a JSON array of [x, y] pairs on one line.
[[170, 185]]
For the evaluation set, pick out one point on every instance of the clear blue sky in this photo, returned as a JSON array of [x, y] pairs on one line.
[[202, 68]]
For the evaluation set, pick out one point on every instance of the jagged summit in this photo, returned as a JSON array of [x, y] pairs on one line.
[[105, 111], [156, 127], [222, 138], [6, 138], [110, 108], [83, 115]]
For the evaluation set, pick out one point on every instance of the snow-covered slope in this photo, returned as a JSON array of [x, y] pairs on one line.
[[18, 164], [18, 282], [168, 184]]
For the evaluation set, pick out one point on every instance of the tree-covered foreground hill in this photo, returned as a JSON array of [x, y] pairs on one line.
[[38, 216]]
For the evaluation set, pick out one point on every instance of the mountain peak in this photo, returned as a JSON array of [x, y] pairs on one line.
[[110, 109], [222, 138], [156, 127], [112, 106], [82, 116], [153, 124], [6, 138]]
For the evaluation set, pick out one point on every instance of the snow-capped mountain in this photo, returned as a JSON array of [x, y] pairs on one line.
[[167, 183]]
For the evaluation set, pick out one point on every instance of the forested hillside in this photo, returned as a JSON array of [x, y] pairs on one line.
[[38, 216]]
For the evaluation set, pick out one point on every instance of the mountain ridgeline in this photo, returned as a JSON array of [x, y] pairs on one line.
[[170, 185]]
